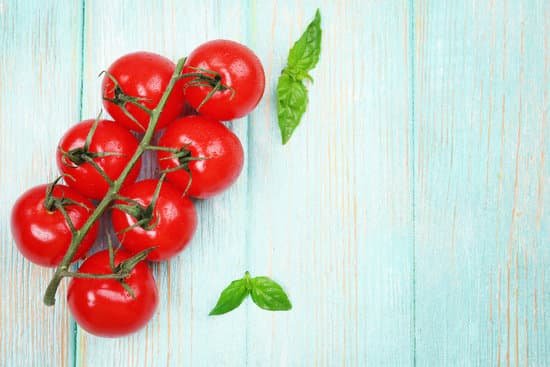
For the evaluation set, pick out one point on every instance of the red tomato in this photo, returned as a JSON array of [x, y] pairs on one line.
[[144, 75], [108, 138], [171, 225], [239, 69], [43, 236], [103, 307], [196, 137]]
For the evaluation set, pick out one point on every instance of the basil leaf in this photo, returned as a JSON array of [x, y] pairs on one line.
[[291, 104], [292, 99], [304, 55], [265, 293], [269, 295], [231, 297]]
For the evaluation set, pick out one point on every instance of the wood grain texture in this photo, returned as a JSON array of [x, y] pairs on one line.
[[39, 99], [407, 218], [482, 240], [331, 212]]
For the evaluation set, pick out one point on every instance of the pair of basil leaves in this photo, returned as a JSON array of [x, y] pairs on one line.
[[266, 293]]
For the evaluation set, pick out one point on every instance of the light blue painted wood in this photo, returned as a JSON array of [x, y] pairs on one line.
[[406, 217], [39, 99], [331, 212], [482, 244]]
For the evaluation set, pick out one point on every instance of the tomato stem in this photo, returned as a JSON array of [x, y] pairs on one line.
[[91, 133], [52, 203], [164, 149], [49, 201], [61, 208], [99, 170], [71, 274], [104, 204]]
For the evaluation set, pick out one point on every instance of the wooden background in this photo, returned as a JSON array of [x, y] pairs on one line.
[[407, 218]]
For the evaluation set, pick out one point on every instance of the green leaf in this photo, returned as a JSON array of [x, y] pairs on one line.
[[292, 97], [269, 295], [304, 55], [231, 297], [291, 104], [265, 293]]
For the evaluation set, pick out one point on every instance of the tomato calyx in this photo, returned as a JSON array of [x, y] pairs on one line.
[[144, 214], [77, 156], [80, 155], [184, 157], [206, 78], [121, 99], [125, 267], [53, 203]]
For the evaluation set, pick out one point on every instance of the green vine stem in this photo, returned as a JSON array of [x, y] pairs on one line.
[[63, 268]]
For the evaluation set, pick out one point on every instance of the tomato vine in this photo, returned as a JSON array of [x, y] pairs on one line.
[[114, 187]]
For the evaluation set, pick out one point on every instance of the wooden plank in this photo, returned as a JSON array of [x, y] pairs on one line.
[[329, 216], [331, 212], [181, 333], [39, 99], [482, 254]]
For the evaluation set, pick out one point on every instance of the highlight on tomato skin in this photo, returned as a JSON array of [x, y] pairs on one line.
[[209, 157], [43, 236], [142, 76], [168, 226], [103, 307], [233, 70], [111, 148]]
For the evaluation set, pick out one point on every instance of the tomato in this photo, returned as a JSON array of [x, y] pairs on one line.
[[144, 75], [239, 70], [169, 226], [103, 307], [109, 138], [42, 235], [199, 137]]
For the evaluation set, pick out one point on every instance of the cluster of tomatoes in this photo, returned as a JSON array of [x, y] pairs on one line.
[[114, 293]]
